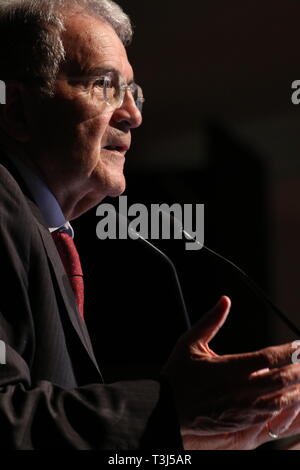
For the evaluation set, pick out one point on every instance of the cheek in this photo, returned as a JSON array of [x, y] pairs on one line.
[[72, 123], [92, 130], [89, 135]]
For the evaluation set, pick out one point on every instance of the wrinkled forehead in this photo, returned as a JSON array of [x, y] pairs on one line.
[[92, 44]]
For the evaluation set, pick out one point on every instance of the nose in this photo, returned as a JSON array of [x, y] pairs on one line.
[[128, 116]]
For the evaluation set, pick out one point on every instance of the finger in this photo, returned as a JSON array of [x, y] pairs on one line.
[[275, 379], [262, 418], [268, 358], [207, 328], [284, 420], [278, 401]]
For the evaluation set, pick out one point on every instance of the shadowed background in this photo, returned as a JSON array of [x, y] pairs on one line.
[[220, 129]]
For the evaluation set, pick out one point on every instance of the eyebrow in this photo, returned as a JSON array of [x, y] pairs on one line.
[[97, 71]]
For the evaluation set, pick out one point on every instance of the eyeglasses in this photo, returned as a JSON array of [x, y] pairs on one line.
[[113, 87]]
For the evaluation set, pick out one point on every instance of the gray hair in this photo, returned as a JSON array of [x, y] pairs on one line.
[[30, 35]]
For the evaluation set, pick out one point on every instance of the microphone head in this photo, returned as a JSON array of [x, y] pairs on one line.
[[125, 227], [178, 228], [164, 222]]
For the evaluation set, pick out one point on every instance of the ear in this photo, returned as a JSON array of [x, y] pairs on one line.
[[13, 114]]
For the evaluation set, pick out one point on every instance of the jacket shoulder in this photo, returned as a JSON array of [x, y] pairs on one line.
[[9, 188], [17, 223]]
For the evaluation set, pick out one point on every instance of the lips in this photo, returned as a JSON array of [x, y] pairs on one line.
[[117, 147]]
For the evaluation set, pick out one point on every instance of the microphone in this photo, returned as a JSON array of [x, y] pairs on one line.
[[246, 279], [135, 235]]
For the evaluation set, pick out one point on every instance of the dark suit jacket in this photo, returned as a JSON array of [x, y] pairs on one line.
[[51, 390]]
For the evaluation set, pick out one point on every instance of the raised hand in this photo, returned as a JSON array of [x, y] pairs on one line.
[[225, 394]]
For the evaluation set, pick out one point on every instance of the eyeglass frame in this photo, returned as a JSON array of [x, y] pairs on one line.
[[122, 85]]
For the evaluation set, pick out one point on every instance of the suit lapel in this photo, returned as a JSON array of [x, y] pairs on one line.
[[63, 283]]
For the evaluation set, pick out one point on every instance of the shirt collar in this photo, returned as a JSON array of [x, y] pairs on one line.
[[44, 198]]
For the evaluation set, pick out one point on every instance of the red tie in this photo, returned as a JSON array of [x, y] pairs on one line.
[[70, 259]]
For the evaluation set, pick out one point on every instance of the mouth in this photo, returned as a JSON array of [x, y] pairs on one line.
[[116, 148]]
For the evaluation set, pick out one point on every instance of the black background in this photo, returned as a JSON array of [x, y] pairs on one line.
[[220, 129]]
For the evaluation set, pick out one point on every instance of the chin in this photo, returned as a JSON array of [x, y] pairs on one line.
[[117, 187]]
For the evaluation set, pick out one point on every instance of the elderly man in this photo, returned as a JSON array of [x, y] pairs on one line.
[[71, 103]]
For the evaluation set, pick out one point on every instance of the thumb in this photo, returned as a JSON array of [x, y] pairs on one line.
[[207, 328]]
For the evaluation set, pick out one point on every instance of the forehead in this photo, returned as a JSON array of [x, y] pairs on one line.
[[90, 43]]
